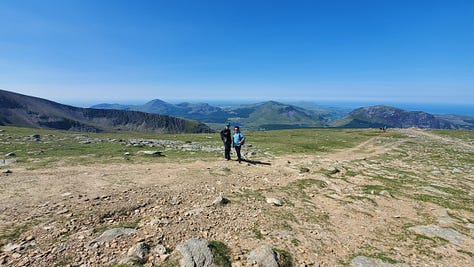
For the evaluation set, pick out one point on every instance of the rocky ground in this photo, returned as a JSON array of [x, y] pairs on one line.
[[390, 201]]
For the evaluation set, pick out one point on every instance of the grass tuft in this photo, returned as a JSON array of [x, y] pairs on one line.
[[221, 253]]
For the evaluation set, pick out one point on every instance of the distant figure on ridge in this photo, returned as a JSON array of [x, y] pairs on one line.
[[227, 139], [239, 140]]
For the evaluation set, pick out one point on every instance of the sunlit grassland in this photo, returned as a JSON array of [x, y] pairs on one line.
[[73, 148]]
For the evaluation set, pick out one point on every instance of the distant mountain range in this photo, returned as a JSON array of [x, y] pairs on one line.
[[272, 115], [27, 111], [163, 117], [380, 116], [200, 112], [268, 115]]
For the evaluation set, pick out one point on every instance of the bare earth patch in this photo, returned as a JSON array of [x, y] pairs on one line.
[[368, 201]]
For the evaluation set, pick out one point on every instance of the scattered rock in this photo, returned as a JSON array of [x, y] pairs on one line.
[[58, 249], [449, 234], [150, 152], [7, 161], [362, 261], [263, 256], [220, 200], [16, 255], [158, 250], [433, 190], [274, 201], [11, 154], [194, 212], [304, 170], [111, 234], [285, 233], [35, 137], [10, 247], [64, 211], [195, 252], [7, 171], [139, 250], [332, 170], [385, 193]]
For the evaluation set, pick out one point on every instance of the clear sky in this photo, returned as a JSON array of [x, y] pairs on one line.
[[95, 51]]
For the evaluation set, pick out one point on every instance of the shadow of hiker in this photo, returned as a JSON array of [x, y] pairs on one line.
[[256, 162]]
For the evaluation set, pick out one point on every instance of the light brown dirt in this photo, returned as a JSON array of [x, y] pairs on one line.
[[326, 218]]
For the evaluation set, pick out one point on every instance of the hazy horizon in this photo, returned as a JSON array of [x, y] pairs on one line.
[[433, 108], [364, 51]]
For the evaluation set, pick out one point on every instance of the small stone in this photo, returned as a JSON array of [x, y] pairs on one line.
[[304, 169], [10, 247], [220, 200], [16, 255], [159, 250], [332, 170], [11, 154], [139, 250], [385, 193], [62, 211], [112, 234], [274, 201], [150, 153]]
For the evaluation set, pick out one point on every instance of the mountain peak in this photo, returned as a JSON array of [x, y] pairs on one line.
[[380, 115], [33, 112]]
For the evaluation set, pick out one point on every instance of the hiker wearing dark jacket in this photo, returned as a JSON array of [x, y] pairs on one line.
[[239, 139], [227, 139]]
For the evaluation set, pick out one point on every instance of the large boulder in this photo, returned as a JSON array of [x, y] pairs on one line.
[[263, 256], [195, 253]]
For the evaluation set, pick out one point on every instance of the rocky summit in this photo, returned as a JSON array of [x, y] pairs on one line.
[[396, 198]]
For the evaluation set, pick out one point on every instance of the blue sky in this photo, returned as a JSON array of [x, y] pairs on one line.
[[81, 51]]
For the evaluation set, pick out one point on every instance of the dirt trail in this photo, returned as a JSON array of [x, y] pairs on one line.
[[369, 148], [444, 139]]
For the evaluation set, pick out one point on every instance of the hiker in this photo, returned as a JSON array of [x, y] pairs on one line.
[[239, 140], [227, 139]]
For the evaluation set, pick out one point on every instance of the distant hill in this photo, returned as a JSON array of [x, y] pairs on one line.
[[272, 115], [27, 111], [328, 112], [201, 112], [266, 115], [464, 122], [379, 116]]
